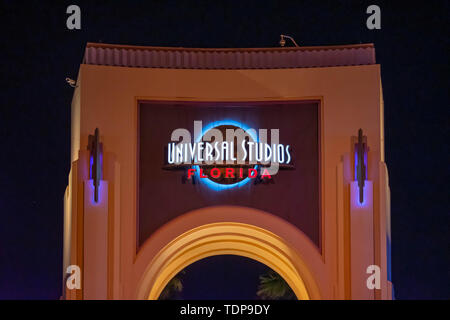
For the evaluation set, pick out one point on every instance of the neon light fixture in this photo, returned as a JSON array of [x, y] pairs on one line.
[[95, 161], [212, 184], [361, 164]]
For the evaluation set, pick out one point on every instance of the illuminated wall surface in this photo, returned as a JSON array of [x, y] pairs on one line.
[[291, 194], [320, 222]]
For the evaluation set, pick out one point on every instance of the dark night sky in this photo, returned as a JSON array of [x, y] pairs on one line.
[[38, 53], [240, 274]]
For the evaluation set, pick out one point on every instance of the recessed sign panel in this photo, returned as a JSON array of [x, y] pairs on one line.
[[263, 155]]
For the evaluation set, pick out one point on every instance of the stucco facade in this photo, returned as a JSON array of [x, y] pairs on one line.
[[101, 237]]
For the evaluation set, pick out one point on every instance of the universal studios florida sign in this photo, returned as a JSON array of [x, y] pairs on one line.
[[227, 153]]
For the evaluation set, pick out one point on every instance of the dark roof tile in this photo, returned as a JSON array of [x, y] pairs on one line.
[[224, 58]]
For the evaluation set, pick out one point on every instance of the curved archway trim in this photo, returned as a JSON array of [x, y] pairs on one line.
[[235, 238]]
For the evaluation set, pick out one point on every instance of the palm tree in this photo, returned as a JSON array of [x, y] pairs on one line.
[[173, 287], [273, 287]]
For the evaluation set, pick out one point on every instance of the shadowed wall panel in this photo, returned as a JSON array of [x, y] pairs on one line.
[[293, 195]]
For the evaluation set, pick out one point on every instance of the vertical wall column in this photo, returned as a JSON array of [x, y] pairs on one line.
[[92, 229], [384, 238], [73, 251], [95, 280], [341, 236], [361, 243]]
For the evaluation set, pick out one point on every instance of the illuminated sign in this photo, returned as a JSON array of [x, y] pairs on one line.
[[227, 153]]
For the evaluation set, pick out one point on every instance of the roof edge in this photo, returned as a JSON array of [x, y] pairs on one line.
[[228, 58], [307, 48]]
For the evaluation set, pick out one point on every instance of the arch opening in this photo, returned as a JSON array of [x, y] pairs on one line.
[[227, 238], [227, 277]]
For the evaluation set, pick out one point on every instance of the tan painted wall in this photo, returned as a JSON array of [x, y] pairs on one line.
[[350, 100]]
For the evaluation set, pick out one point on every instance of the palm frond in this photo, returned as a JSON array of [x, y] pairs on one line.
[[174, 286], [273, 287]]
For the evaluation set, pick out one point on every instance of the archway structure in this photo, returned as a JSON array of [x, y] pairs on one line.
[[244, 238], [131, 220]]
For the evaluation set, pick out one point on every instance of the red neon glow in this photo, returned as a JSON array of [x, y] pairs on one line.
[[266, 174], [191, 172], [229, 173], [202, 175], [252, 173]]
